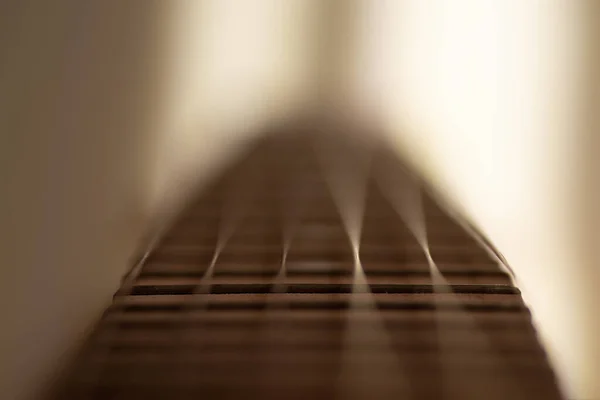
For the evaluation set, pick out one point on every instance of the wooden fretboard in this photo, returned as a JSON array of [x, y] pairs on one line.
[[301, 273]]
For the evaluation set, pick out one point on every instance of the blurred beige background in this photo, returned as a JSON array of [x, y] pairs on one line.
[[111, 111]]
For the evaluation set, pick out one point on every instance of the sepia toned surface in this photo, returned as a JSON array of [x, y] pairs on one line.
[[315, 267]]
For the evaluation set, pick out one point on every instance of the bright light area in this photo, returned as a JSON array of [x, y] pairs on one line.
[[485, 97]]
